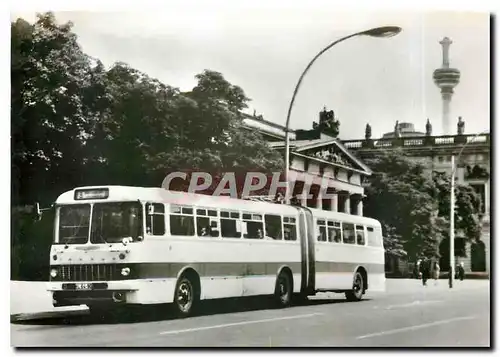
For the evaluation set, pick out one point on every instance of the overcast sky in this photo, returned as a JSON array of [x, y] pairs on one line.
[[364, 80]]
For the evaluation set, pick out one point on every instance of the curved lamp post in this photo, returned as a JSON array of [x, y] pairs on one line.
[[452, 209], [386, 31]]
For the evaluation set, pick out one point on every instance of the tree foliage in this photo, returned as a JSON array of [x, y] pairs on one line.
[[413, 206], [402, 198], [75, 123], [467, 206]]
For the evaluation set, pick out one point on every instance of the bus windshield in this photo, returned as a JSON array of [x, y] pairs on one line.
[[74, 224], [111, 222]]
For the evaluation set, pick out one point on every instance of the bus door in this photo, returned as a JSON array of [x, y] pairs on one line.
[[306, 231]]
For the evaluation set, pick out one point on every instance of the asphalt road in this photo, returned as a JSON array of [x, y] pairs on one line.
[[407, 315]]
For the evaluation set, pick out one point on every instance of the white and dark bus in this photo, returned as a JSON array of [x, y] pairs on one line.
[[117, 245]]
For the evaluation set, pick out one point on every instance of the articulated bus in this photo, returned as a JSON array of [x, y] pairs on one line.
[[117, 245]]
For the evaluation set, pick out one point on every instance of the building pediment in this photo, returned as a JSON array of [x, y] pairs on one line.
[[333, 152]]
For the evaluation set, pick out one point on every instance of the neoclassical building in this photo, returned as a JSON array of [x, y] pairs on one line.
[[317, 158], [435, 152], [315, 155]]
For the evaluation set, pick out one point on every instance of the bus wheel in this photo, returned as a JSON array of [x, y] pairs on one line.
[[283, 292], [356, 293], [185, 298]]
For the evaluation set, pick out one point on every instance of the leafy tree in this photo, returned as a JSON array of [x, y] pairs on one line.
[[76, 123], [467, 217], [212, 137], [49, 121], [467, 206], [415, 208], [401, 196]]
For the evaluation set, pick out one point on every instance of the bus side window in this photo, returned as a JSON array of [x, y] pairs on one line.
[[349, 234], [334, 232], [254, 226], [321, 224], [181, 221], [155, 222], [273, 227], [289, 228], [203, 225], [373, 238], [360, 235], [229, 224]]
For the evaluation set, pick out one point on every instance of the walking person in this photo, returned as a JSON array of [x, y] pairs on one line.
[[416, 270], [437, 271], [425, 271], [461, 271]]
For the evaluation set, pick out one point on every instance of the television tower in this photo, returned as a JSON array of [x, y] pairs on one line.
[[446, 78]]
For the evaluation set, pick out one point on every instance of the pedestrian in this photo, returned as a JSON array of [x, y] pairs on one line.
[[437, 270], [461, 271], [425, 271], [418, 274]]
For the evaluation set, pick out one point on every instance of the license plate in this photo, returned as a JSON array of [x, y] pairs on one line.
[[83, 286]]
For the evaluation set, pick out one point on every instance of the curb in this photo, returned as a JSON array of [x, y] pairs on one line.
[[46, 315]]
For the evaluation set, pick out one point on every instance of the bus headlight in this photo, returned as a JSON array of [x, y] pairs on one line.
[[53, 273], [126, 271]]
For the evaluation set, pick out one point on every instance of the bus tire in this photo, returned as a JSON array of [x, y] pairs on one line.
[[358, 288], [284, 290], [186, 296]]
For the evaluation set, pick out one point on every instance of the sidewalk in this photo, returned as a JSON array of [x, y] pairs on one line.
[[30, 300], [394, 286]]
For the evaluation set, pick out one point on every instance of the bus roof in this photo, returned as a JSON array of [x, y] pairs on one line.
[[158, 194]]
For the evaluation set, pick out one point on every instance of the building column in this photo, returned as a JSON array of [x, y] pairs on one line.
[[303, 196], [347, 204], [334, 205], [360, 206], [319, 200], [487, 198]]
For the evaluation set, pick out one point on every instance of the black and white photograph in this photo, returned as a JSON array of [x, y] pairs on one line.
[[251, 174]]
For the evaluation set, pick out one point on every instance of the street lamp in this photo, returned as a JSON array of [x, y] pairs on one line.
[[452, 208], [386, 31]]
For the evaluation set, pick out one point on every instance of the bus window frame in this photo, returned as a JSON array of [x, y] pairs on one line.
[[336, 225], [147, 215], [281, 235], [237, 220], [318, 231], [251, 219], [286, 220], [356, 230], [353, 243], [210, 217], [181, 213]]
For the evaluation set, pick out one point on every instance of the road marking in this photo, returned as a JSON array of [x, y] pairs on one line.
[[416, 327], [238, 323], [414, 303]]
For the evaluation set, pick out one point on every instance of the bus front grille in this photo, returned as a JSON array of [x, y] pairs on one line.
[[88, 272]]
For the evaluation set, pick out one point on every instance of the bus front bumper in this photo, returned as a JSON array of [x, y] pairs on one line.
[[111, 292]]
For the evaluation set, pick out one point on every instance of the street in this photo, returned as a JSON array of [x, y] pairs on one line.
[[406, 315]]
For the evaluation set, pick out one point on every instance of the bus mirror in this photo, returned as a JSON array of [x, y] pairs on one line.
[[151, 209], [38, 212]]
